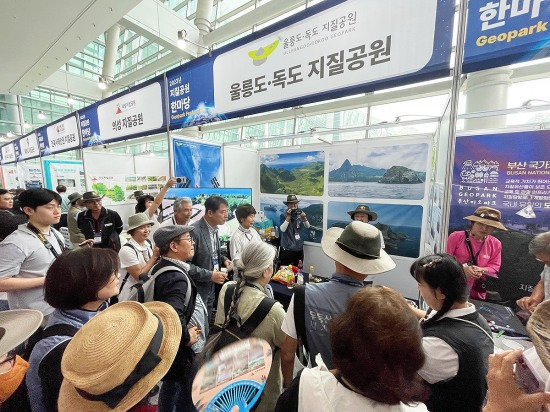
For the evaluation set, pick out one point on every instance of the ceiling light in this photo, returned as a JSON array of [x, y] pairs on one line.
[[10, 134], [182, 39], [70, 100], [41, 115], [102, 83]]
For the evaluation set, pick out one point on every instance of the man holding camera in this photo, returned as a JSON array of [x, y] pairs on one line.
[[292, 241]]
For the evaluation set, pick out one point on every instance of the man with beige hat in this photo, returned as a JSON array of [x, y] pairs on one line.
[[357, 253]]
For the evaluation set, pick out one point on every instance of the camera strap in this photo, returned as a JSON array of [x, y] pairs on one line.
[[469, 246]]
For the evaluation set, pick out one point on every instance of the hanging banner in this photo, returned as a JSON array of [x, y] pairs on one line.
[[8, 154], [29, 175], [10, 179], [509, 172], [64, 172], [59, 137], [330, 50], [26, 147], [197, 164], [124, 116], [503, 32]]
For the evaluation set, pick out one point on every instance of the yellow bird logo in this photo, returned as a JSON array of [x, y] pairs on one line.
[[260, 56]]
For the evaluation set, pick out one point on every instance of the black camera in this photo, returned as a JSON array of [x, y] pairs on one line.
[[295, 213]]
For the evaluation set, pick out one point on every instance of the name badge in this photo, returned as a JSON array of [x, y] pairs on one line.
[[108, 224], [297, 236], [97, 238]]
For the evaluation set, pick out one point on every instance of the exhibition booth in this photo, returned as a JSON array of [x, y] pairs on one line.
[[420, 185]]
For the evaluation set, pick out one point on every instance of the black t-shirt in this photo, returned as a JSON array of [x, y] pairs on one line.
[[9, 222]]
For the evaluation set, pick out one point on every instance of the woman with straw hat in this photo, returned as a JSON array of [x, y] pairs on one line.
[[255, 267], [137, 256], [477, 250], [78, 284], [114, 361]]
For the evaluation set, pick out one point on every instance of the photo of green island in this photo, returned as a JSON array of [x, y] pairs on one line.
[[299, 173]]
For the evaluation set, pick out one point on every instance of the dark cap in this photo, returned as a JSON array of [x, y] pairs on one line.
[[164, 235]]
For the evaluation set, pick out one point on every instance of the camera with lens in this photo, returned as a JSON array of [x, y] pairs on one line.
[[295, 213]]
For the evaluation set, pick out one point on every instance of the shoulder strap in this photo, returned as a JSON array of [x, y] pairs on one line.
[[59, 329], [171, 268], [258, 315], [228, 297], [133, 247], [300, 313], [469, 246]]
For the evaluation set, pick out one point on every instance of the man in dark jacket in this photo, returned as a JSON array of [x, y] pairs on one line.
[[100, 226], [8, 220], [176, 247]]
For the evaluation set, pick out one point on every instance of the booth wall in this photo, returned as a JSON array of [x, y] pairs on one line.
[[241, 169], [150, 165]]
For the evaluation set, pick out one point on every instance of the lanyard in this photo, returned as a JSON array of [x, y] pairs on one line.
[[347, 282], [45, 242], [469, 245]]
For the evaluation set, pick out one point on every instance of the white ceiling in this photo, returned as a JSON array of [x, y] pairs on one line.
[[39, 36]]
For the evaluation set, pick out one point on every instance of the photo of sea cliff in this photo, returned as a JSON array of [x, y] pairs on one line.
[[400, 224], [385, 172]]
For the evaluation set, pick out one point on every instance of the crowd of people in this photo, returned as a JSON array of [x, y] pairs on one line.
[[338, 346]]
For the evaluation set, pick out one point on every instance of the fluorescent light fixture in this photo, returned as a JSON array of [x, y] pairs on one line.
[[70, 100], [102, 84], [41, 115], [182, 39]]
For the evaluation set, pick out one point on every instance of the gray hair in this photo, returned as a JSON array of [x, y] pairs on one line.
[[255, 258], [178, 204], [540, 244]]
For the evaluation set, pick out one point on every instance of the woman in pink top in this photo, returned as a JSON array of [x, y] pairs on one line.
[[483, 258]]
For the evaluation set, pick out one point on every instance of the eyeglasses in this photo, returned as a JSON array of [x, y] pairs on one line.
[[190, 239]]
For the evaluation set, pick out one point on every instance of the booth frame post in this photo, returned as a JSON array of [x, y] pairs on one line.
[[42, 168], [453, 119], [168, 134]]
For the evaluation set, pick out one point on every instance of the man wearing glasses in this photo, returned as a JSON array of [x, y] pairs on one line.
[[100, 226], [540, 248]]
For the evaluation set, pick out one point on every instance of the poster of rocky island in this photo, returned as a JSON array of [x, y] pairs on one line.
[[385, 172]]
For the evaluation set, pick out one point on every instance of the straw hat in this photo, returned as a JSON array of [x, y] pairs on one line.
[[488, 216], [363, 209], [99, 363], [16, 326], [357, 247], [539, 331], [291, 198], [139, 219]]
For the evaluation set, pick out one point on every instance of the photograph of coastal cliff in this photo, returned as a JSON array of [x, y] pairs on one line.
[[299, 173], [400, 224], [383, 172]]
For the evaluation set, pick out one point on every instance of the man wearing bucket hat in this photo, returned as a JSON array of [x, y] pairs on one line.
[[292, 240], [357, 254], [477, 250], [137, 256], [115, 359], [362, 213], [99, 225], [16, 326], [75, 235]]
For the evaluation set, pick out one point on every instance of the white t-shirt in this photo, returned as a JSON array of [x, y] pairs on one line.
[[441, 360], [545, 277], [23, 255], [240, 239], [152, 216], [128, 257], [172, 221]]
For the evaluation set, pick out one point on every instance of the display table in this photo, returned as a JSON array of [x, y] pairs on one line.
[[284, 293]]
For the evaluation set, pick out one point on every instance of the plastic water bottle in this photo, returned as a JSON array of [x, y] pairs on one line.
[[300, 275], [311, 270]]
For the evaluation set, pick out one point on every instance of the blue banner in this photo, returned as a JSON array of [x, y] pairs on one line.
[[124, 116], [503, 32], [334, 49], [197, 165], [58, 137], [509, 172]]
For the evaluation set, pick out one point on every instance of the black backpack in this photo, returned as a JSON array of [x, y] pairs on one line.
[[231, 332]]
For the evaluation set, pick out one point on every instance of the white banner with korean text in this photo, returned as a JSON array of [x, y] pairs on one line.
[[353, 43]]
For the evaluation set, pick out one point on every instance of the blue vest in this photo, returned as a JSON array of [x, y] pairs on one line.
[[288, 237], [323, 302]]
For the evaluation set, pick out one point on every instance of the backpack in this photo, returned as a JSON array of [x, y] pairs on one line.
[[230, 332], [300, 322], [137, 255], [144, 290]]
